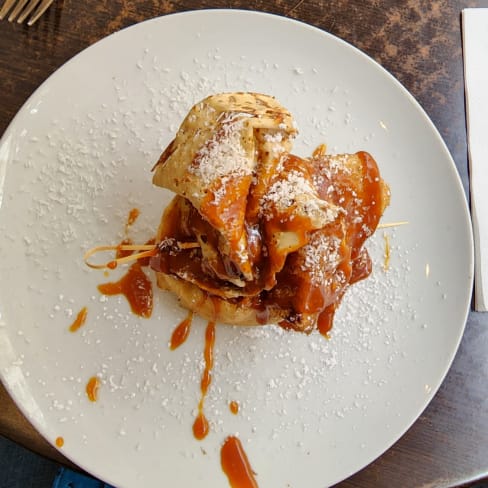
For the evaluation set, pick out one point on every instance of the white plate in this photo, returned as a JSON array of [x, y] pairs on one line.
[[77, 158]]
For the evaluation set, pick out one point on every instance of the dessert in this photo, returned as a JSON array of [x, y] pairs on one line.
[[255, 234]]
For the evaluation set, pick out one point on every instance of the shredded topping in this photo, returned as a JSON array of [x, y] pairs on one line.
[[223, 154], [320, 257], [296, 190], [284, 192]]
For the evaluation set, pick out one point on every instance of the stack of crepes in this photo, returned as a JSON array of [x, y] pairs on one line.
[[255, 234]]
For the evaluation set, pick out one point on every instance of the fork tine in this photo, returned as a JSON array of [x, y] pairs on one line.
[[44, 5], [30, 7], [17, 9], [5, 8]]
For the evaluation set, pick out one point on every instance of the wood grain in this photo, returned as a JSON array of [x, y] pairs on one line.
[[419, 42]]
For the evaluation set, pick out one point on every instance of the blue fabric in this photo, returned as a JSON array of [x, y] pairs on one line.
[[66, 478], [21, 468]]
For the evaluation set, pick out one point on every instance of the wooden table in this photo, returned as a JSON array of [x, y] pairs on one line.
[[419, 42]]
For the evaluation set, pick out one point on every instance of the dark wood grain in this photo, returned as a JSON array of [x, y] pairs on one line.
[[419, 42]]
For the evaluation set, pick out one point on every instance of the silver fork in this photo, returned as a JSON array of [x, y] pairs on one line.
[[24, 8]]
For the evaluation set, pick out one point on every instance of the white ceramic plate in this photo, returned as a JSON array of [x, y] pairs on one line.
[[77, 158]]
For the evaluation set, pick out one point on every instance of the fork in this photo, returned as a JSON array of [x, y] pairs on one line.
[[42, 6]]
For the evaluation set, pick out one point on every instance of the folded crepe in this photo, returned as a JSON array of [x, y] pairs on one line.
[[221, 146], [255, 234]]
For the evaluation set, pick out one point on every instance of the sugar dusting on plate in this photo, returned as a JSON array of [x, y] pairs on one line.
[[89, 185]]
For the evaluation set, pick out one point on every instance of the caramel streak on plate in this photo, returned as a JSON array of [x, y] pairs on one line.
[[200, 426], [234, 407], [79, 320], [92, 388], [235, 464], [180, 334], [132, 217], [136, 287]]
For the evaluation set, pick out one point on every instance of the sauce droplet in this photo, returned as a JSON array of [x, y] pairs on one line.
[[92, 388], [79, 320], [236, 465], [136, 287], [180, 334], [132, 217], [234, 407], [59, 442], [200, 426]]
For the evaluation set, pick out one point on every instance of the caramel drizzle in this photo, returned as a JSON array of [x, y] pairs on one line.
[[234, 407], [235, 464], [201, 426], [132, 217], [181, 332], [79, 320], [136, 287], [92, 388]]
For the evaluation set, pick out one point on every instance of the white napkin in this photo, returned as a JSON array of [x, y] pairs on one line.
[[475, 44]]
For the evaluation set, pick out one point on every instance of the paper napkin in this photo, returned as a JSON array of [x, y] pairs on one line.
[[475, 46]]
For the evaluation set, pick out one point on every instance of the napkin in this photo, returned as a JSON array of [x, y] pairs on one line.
[[475, 46]]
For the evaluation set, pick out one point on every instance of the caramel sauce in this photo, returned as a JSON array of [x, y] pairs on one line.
[[79, 320], [200, 426], [325, 320], [132, 217], [92, 388], [234, 407], [361, 267], [59, 442], [279, 281], [180, 334], [235, 464], [121, 253], [136, 287], [228, 212], [262, 313]]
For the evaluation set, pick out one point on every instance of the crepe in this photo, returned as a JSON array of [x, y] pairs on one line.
[[256, 234], [225, 144]]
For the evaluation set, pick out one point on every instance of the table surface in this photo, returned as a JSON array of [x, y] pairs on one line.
[[419, 42]]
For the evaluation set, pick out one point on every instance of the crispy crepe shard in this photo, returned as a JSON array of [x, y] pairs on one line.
[[279, 238]]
